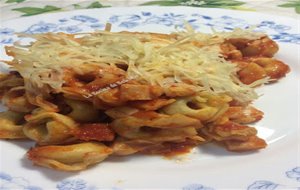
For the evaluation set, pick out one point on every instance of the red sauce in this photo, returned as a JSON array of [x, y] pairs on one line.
[[230, 126], [170, 149], [95, 131]]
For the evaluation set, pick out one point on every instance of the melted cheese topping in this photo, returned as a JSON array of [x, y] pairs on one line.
[[189, 57]]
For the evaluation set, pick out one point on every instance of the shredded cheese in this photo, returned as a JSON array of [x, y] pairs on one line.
[[189, 57]]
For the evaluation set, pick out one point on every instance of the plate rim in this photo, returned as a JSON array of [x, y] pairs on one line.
[[62, 13]]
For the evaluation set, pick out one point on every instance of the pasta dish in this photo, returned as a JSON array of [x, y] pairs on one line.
[[84, 97]]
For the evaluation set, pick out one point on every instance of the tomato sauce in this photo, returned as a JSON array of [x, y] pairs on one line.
[[170, 149], [95, 131]]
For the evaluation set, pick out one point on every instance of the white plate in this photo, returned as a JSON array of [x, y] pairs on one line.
[[207, 167]]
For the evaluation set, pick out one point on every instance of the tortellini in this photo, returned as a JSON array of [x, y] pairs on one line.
[[11, 125], [82, 111], [16, 100], [100, 94], [69, 157], [157, 127], [202, 106], [10, 80], [49, 128]]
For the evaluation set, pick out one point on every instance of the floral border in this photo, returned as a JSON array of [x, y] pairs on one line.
[[7, 182], [84, 23]]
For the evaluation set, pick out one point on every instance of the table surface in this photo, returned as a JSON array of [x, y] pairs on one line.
[[11, 9]]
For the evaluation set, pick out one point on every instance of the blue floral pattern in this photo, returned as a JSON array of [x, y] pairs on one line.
[[196, 187], [82, 23], [83, 18], [41, 27], [294, 174], [269, 185], [263, 185], [77, 184], [6, 31], [7, 182]]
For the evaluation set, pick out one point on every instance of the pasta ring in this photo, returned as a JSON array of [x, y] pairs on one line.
[[162, 128], [198, 107], [49, 128], [69, 157], [16, 100], [9, 127]]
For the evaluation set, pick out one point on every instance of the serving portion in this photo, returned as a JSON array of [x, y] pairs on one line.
[[84, 97]]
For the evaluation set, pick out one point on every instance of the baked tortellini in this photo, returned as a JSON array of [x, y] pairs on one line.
[[202, 107], [10, 80], [15, 100], [84, 97], [157, 127], [82, 111], [11, 125], [49, 128], [69, 157]]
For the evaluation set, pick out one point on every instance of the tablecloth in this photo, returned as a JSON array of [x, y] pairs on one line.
[[10, 9]]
